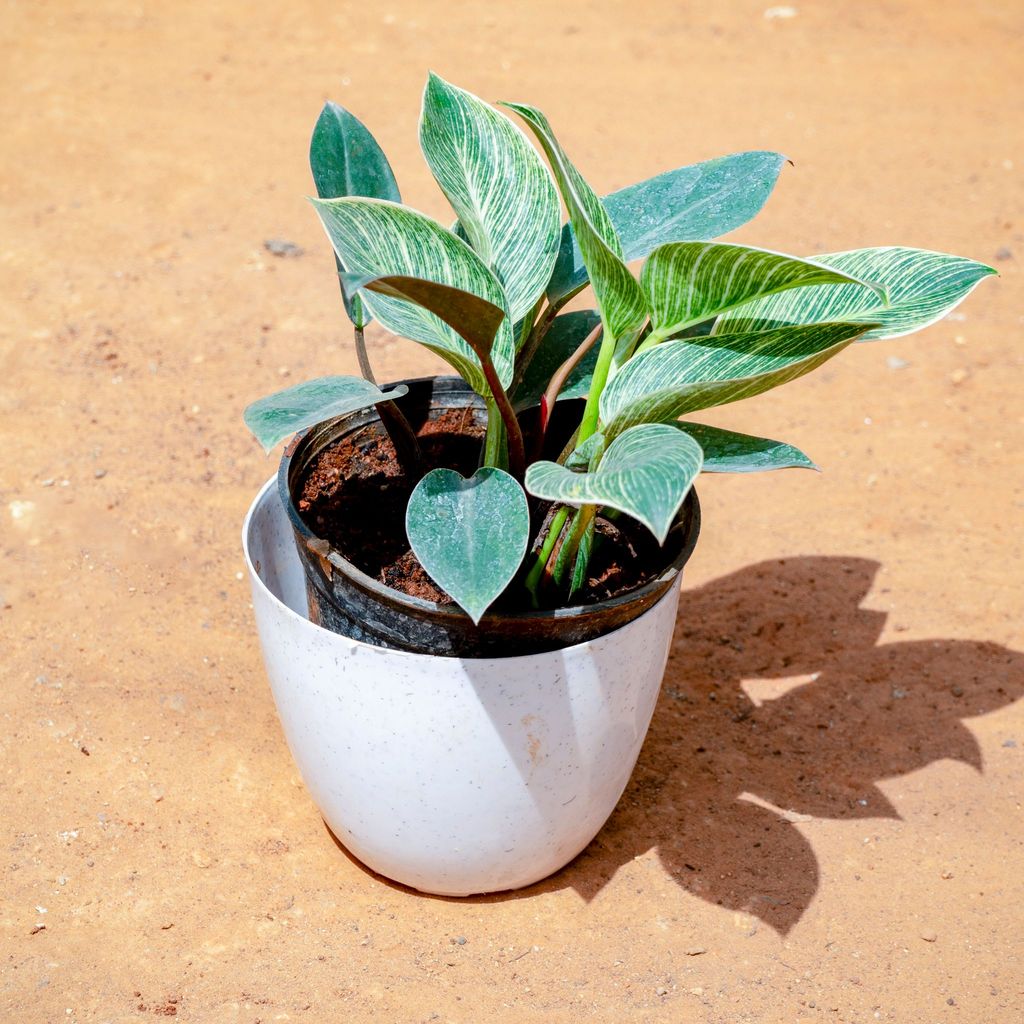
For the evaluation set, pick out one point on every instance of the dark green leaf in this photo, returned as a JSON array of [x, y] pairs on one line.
[[698, 202], [566, 335], [347, 161], [726, 451]]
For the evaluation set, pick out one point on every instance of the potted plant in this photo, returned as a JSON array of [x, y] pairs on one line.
[[466, 587]]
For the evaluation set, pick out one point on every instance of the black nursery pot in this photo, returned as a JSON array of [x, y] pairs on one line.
[[346, 600]]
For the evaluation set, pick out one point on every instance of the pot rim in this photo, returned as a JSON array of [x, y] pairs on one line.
[[396, 652], [452, 612]]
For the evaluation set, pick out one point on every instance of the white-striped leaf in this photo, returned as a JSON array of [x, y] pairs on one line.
[[923, 287], [687, 283], [646, 472], [280, 415], [347, 161], [619, 298], [681, 376], [566, 335], [726, 451], [469, 535], [374, 238], [700, 201], [499, 187]]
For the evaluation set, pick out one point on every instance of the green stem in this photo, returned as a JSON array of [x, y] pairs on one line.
[[496, 442], [591, 412], [541, 561], [514, 434]]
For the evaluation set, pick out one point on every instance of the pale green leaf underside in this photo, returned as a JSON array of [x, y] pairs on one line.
[[280, 415], [498, 186], [677, 377], [347, 161], [689, 282], [923, 287], [700, 201], [726, 451], [619, 298], [646, 473], [567, 333], [469, 535], [374, 238]]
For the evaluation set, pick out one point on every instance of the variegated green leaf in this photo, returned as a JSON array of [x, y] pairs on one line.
[[687, 283], [499, 187], [374, 238], [726, 451], [346, 161], [619, 298], [681, 376], [280, 415], [566, 335], [469, 535], [701, 201], [646, 472], [581, 457], [923, 286]]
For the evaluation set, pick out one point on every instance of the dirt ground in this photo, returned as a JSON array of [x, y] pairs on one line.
[[825, 823]]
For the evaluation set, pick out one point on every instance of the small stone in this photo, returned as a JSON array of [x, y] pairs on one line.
[[1009, 743], [1003, 253], [896, 363], [48, 482], [957, 691], [947, 875], [99, 474], [772, 13], [928, 935], [697, 991], [951, 1001], [957, 377], [661, 991], [282, 247], [201, 859], [460, 940], [695, 951], [898, 693]]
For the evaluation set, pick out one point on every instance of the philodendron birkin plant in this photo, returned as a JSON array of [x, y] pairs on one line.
[[704, 323]]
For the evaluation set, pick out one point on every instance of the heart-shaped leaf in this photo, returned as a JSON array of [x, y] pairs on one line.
[[923, 287], [566, 334], [499, 187], [619, 298], [687, 283], [346, 161], [374, 238], [680, 376], [646, 472], [700, 201], [469, 535], [280, 415], [726, 451]]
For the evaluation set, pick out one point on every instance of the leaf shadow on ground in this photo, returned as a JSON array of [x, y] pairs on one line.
[[778, 698]]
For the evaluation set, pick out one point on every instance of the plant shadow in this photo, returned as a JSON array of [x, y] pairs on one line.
[[778, 703]]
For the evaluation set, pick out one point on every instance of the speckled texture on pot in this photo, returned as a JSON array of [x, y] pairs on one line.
[[452, 775]]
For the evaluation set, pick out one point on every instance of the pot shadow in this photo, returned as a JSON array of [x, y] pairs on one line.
[[779, 702]]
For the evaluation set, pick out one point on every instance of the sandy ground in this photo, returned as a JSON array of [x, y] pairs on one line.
[[825, 824]]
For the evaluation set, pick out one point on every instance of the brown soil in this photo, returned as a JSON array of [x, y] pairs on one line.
[[825, 821], [355, 495]]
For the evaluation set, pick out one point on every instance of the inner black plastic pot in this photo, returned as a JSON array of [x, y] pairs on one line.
[[346, 600]]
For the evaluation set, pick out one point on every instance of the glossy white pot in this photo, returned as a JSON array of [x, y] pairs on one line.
[[452, 775]]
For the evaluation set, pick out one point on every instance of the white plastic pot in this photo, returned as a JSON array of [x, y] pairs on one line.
[[452, 775]]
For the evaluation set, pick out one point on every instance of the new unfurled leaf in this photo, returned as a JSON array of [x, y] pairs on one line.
[[347, 161], [681, 376], [499, 187], [646, 472], [687, 283], [469, 535], [566, 335], [476, 320], [922, 287], [280, 415], [619, 298], [375, 239], [701, 201], [726, 451]]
